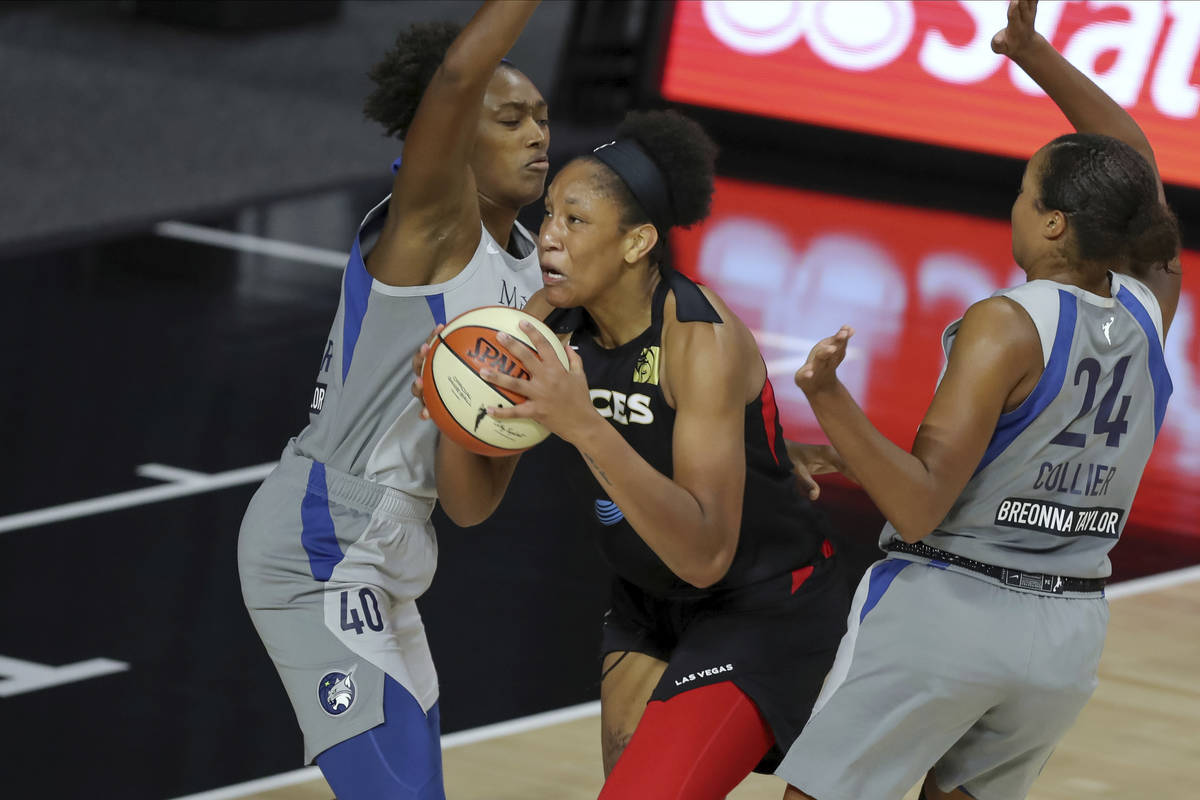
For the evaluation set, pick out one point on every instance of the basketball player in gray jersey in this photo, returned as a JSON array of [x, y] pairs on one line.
[[972, 647], [336, 545]]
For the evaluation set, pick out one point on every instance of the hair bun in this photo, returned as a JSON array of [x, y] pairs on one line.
[[683, 152]]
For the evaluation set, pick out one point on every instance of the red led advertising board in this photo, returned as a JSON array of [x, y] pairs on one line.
[[797, 265], [924, 70]]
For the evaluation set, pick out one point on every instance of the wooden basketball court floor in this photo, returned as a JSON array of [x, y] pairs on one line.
[[1138, 738]]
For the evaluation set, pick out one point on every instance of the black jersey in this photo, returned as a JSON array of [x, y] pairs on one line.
[[781, 530]]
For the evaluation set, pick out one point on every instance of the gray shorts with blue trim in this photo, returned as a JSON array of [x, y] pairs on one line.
[[331, 566], [941, 669]]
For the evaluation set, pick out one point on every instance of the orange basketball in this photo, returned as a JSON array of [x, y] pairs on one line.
[[458, 398]]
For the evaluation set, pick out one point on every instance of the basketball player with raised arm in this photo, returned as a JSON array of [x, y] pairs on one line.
[[727, 599], [973, 646], [336, 545]]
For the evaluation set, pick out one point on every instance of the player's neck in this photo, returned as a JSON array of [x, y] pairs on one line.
[[1090, 278], [498, 220], [624, 311]]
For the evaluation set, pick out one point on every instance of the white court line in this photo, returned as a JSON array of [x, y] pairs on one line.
[[1153, 583], [174, 229], [449, 741], [162, 472], [184, 482]]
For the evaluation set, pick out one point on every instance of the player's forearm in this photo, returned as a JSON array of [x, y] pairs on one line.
[[470, 486], [898, 482], [668, 518], [1083, 103], [486, 39]]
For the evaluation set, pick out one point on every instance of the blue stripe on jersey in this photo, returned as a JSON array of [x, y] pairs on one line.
[[1159, 377], [881, 578], [316, 526], [357, 287], [437, 307], [1014, 423]]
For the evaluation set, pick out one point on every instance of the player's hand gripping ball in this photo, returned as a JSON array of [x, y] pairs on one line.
[[457, 398]]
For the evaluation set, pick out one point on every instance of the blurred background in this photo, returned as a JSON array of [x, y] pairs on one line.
[[179, 185]]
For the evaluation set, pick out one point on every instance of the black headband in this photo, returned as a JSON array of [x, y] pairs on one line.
[[645, 180]]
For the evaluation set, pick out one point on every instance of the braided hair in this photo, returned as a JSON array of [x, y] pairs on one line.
[[1109, 194]]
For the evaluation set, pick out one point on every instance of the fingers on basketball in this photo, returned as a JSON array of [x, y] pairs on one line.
[[467, 407]]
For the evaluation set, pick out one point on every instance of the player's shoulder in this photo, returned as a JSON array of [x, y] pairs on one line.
[[694, 313], [999, 318]]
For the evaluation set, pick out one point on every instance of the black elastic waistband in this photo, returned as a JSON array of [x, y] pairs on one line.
[[1017, 579]]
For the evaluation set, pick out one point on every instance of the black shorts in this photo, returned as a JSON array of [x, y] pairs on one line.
[[773, 643]]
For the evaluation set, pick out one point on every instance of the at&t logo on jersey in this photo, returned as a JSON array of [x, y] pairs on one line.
[[336, 692], [627, 409], [607, 512]]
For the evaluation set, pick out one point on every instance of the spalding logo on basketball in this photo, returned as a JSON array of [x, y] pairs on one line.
[[458, 399]]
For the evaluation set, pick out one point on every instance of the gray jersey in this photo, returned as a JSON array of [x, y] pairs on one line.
[[363, 420], [1053, 490]]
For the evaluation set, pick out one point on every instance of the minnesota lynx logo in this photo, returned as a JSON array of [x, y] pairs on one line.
[[646, 368], [336, 691]]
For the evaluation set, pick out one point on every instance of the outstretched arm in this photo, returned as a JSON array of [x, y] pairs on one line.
[[1087, 108], [434, 214], [996, 350]]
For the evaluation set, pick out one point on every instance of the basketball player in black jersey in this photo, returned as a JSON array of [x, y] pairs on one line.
[[727, 603]]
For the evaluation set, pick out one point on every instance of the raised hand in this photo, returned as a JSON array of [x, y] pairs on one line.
[[820, 370], [557, 398], [1019, 32]]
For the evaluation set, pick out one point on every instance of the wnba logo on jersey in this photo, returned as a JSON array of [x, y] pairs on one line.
[[336, 692], [646, 368]]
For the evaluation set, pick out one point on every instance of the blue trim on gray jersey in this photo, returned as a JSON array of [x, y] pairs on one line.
[[881, 578], [1014, 423], [317, 533], [357, 287], [1159, 376], [437, 307]]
